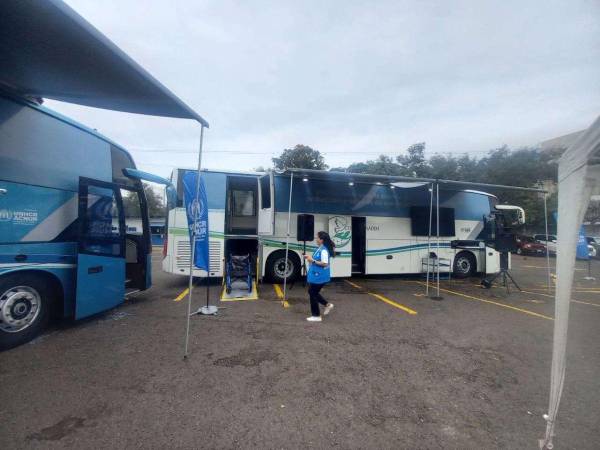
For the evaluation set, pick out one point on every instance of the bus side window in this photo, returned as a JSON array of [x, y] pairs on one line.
[[132, 210], [265, 192], [100, 231]]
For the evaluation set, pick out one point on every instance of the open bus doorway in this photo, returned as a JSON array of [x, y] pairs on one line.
[[359, 244], [241, 217]]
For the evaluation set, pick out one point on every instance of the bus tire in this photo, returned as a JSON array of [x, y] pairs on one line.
[[275, 267], [26, 302], [465, 265]]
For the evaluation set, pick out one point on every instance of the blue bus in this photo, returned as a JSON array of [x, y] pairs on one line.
[[66, 249], [61, 188]]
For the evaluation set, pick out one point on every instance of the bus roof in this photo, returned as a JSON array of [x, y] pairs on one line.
[[62, 118], [48, 50], [379, 179]]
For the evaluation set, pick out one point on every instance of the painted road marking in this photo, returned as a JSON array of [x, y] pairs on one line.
[[353, 284], [384, 299], [573, 300], [279, 294], [503, 305], [586, 303], [182, 295]]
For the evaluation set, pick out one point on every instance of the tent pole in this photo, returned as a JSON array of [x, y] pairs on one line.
[[429, 238], [549, 281], [287, 239], [437, 209], [193, 249]]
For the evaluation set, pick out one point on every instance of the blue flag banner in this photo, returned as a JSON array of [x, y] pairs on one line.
[[196, 208], [582, 245]]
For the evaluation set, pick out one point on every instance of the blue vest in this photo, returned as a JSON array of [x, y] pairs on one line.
[[318, 274]]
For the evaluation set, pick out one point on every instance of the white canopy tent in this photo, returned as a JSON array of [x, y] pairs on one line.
[[578, 180]]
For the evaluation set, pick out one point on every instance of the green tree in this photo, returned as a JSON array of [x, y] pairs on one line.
[[300, 157], [414, 163], [383, 165], [131, 203]]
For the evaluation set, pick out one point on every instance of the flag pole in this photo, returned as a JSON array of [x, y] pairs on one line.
[[193, 248]]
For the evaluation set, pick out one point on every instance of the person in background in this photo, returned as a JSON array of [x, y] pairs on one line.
[[319, 275]]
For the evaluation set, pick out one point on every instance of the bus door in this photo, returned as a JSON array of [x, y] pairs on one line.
[[266, 212], [138, 241], [101, 252], [359, 244]]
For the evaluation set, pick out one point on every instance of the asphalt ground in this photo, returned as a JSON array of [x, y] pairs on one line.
[[388, 368]]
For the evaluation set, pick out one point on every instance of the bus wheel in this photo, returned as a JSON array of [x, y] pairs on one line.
[[465, 265], [277, 269], [24, 309]]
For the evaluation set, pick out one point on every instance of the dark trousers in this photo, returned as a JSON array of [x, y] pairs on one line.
[[316, 298]]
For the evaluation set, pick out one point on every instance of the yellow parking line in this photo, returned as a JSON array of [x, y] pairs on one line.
[[538, 267], [384, 299], [503, 305], [278, 291], [393, 303], [353, 284], [182, 295], [573, 300], [586, 303], [279, 294]]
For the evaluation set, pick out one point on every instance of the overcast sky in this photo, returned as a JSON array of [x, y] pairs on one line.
[[351, 79]]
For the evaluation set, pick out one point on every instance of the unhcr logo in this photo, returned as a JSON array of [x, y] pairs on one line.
[[5, 215], [25, 217]]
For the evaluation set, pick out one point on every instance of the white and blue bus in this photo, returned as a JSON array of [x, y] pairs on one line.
[[61, 186], [379, 226], [66, 248]]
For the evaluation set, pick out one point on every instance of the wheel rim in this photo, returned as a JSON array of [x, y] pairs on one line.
[[19, 308], [283, 270], [463, 265]]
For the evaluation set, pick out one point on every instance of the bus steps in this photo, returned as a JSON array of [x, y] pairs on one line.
[[131, 291]]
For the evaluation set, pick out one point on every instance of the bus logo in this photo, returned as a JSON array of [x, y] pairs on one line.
[[342, 231], [5, 215], [25, 217]]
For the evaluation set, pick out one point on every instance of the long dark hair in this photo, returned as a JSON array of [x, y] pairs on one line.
[[327, 242]]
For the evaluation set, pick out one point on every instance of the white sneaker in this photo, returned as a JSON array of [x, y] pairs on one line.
[[328, 309], [314, 319]]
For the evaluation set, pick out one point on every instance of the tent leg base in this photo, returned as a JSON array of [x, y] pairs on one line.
[[210, 310]]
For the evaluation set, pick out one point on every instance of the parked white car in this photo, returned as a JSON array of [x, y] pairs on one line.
[[550, 243]]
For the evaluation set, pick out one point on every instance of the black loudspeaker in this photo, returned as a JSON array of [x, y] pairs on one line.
[[506, 243], [305, 229]]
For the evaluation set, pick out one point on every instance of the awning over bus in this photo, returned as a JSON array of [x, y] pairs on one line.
[[48, 50], [400, 181]]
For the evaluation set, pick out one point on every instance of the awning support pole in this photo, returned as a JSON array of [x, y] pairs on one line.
[[429, 238], [193, 250], [437, 206], [287, 240], [549, 281]]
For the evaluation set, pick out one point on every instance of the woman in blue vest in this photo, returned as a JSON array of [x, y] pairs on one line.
[[318, 275]]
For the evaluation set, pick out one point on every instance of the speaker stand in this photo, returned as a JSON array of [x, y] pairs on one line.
[[506, 279]]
